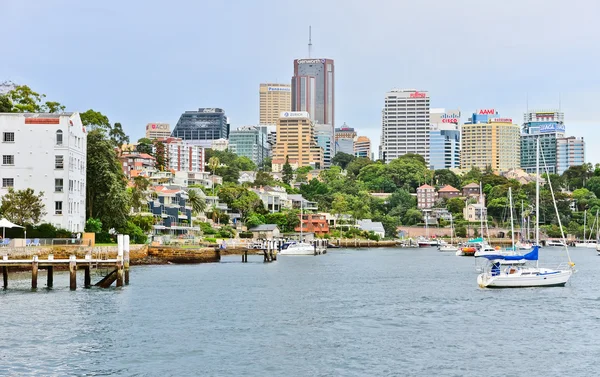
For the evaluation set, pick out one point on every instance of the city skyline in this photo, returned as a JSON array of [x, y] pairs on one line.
[[112, 71]]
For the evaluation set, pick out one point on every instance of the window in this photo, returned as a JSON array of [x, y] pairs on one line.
[[8, 159], [58, 208], [59, 137], [8, 182], [58, 185], [8, 137], [59, 162]]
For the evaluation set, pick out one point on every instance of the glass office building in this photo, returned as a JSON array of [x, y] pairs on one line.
[[444, 150], [251, 142], [202, 126]]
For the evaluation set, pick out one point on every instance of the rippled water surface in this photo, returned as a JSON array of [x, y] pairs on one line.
[[379, 312]]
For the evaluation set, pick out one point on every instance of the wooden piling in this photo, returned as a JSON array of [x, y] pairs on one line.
[[119, 260], [34, 272], [87, 279], [50, 277], [126, 258], [73, 272], [5, 276]]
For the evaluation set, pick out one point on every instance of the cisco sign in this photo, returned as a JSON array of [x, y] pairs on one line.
[[551, 127], [450, 117], [279, 89], [294, 114], [311, 61]]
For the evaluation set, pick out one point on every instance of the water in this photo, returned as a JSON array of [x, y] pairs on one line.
[[385, 312]]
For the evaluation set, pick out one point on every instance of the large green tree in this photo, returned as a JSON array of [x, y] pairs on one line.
[[342, 159], [144, 145], [23, 207], [444, 177], [107, 198], [288, 172], [95, 120], [6, 105], [117, 135]]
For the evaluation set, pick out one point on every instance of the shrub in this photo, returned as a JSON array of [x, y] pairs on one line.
[[246, 235], [93, 225], [211, 240]]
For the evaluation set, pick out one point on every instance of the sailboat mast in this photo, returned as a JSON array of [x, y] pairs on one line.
[[481, 209], [512, 228], [301, 220], [537, 195], [584, 220]]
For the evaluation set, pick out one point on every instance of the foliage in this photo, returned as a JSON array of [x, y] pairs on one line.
[[6, 105], [240, 199], [412, 217], [206, 228], [118, 136], [24, 207], [144, 145], [160, 153], [95, 120], [267, 164], [139, 193], [342, 159], [196, 200], [24, 100], [455, 205], [354, 167], [461, 231], [136, 234], [286, 220], [444, 177], [144, 222], [107, 198], [288, 173], [93, 225], [226, 232], [263, 179], [254, 220]]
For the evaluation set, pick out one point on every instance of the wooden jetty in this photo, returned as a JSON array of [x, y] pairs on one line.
[[119, 267]]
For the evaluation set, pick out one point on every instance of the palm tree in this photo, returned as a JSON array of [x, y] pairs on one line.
[[213, 164], [196, 201]]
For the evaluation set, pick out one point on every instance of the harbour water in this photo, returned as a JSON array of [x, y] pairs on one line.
[[377, 312]]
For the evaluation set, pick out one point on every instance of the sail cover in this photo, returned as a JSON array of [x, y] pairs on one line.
[[532, 255]]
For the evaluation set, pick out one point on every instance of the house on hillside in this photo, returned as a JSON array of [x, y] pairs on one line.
[[475, 212], [265, 231], [448, 192], [472, 189], [247, 176], [371, 226], [426, 197], [313, 223]]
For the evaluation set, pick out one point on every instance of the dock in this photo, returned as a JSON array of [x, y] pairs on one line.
[[118, 267]]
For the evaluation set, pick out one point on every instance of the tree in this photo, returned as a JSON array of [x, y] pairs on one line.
[[353, 168], [106, 185], [23, 207], [455, 205], [267, 164], [288, 173], [473, 175], [95, 119], [139, 193], [263, 179], [342, 159], [241, 199], [161, 155], [593, 184], [213, 164], [254, 220], [196, 201], [93, 225], [25, 100], [412, 217], [6, 105], [340, 205], [54, 107], [144, 146], [245, 164], [118, 136], [444, 177]]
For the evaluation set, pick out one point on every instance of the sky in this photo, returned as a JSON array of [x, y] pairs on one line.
[[149, 61]]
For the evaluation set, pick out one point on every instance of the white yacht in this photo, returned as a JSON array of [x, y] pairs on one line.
[[297, 248], [555, 243], [497, 276], [444, 246]]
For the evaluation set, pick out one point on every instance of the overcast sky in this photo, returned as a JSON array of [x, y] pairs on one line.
[[148, 61]]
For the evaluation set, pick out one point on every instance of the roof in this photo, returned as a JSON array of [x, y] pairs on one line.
[[264, 228], [448, 188], [369, 226], [471, 185], [425, 187]]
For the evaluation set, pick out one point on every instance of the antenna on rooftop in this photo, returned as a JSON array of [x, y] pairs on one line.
[[309, 41], [559, 102]]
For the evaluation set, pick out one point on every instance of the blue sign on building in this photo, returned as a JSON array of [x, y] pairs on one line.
[[546, 127]]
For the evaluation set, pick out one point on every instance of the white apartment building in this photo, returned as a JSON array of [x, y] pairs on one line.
[[183, 156], [405, 124], [47, 153]]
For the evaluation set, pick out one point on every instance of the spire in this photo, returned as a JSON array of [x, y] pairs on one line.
[[309, 41]]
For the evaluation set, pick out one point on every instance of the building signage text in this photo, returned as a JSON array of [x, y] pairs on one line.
[[418, 95], [450, 118], [294, 114], [487, 112], [159, 126], [501, 120], [311, 61], [279, 89], [551, 127]]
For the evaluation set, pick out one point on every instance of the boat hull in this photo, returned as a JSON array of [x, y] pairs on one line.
[[448, 248], [541, 278], [298, 249]]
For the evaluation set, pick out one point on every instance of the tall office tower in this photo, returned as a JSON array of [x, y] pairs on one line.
[[344, 139], [313, 89], [548, 126], [274, 99], [362, 147], [444, 139], [296, 141], [202, 127], [495, 143], [570, 151], [250, 142], [405, 124], [326, 141], [158, 130]]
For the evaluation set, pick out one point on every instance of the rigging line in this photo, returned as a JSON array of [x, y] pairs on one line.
[[556, 210]]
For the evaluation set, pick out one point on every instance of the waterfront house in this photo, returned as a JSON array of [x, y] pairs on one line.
[[426, 197], [247, 176], [472, 189], [448, 192], [265, 231], [172, 213], [274, 198], [474, 212], [299, 202], [313, 223], [371, 226]]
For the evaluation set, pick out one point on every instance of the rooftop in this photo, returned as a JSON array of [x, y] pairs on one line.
[[448, 188], [264, 228]]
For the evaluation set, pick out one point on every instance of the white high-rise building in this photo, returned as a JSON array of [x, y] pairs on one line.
[[405, 124], [47, 152], [182, 156]]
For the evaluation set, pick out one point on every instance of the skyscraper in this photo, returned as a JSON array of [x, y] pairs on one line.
[[202, 127], [274, 99], [494, 143], [405, 124], [548, 126], [250, 142], [313, 89], [444, 138], [344, 139], [362, 147], [570, 151], [296, 141], [326, 141]]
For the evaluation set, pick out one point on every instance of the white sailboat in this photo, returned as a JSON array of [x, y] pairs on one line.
[[299, 247], [496, 276], [450, 246]]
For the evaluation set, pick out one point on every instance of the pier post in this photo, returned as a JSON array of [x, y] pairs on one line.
[[50, 269], [73, 272], [87, 277], [5, 275], [34, 271], [126, 257], [119, 260]]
